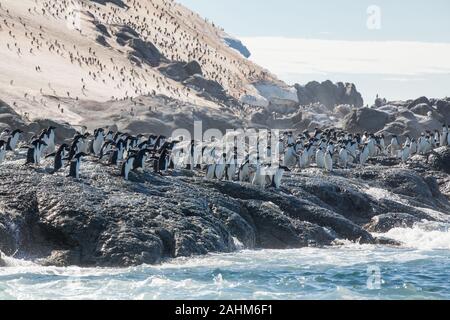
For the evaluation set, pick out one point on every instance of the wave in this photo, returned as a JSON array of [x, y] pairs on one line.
[[423, 236]]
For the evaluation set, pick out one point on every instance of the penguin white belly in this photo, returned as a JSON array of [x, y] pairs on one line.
[[220, 170], [343, 157], [244, 173], [405, 154], [210, 172], [231, 171], [320, 159], [289, 159], [277, 178], [259, 179], [328, 162]]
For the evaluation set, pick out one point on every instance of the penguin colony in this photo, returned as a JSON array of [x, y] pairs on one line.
[[254, 164]]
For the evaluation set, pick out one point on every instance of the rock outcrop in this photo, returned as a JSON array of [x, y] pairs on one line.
[[365, 119], [329, 94], [102, 220]]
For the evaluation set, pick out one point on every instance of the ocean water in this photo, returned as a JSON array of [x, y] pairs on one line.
[[418, 270]]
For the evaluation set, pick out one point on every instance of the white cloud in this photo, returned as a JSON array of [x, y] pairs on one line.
[[288, 56]]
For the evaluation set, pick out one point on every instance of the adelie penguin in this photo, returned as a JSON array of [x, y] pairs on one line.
[[127, 166], [75, 164], [59, 156], [35, 151], [161, 162], [97, 143], [13, 140], [278, 176]]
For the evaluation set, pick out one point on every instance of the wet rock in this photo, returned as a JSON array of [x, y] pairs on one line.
[[387, 242], [384, 223], [440, 159]]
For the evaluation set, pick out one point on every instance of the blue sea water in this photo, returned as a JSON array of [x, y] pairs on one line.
[[418, 270]]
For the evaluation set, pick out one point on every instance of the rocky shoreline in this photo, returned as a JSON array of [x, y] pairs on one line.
[[102, 220]]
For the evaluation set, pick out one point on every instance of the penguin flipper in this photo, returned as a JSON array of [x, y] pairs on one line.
[[50, 155]]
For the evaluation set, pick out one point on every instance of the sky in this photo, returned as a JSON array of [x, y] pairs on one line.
[[396, 48]]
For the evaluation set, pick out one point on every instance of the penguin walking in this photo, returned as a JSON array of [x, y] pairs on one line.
[[278, 176], [161, 163], [413, 147], [244, 170], [59, 157], [344, 157], [50, 139], [75, 164]]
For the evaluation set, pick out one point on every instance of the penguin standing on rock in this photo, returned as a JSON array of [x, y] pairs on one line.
[[97, 143], [13, 140], [328, 161], [59, 157], [127, 166], [75, 164], [278, 176], [444, 136], [35, 151]]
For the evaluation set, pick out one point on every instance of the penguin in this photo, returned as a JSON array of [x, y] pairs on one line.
[[230, 170], [211, 171], [127, 166], [278, 176], [75, 164], [395, 146], [259, 178], [244, 170], [405, 153], [35, 151], [140, 158], [290, 157], [220, 167], [343, 157], [161, 162], [328, 161], [13, 140], [59, 156], [444, 136], [50, 139], [436, 139], [413, 146], [106, 148], [76, 146], [320, 158], [364, 156], [97, 142], [2, 151]]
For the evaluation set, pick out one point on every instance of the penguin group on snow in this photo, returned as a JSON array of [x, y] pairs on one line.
[[324, 149]]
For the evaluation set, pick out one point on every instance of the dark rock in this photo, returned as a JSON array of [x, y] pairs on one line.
[[103, 30], [421, 100], [193, 68], [205, 86], [102, 41], [387, 242], [365, 119], [384, 223], [145, 52], [329, 94], [118, 3], [440, 159], [422, 109]]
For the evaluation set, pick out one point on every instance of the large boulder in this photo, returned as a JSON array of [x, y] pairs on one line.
[[145, 52], [365, 119], [385, 222], [329, 94]]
